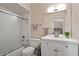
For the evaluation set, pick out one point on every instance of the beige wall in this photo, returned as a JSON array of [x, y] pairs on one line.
[[37, 17], [75, 21], [68, 18]]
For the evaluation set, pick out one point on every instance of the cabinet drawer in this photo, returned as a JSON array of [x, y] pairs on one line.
[[67, 45], [49, 43]]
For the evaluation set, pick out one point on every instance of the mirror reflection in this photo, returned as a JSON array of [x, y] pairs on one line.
[[58, 25], [53, 23]]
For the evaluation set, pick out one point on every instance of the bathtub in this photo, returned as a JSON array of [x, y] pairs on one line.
[[17, 52]]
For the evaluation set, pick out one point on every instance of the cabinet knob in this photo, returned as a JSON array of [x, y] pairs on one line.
[[23, 36], [47, 43], [66, 46]]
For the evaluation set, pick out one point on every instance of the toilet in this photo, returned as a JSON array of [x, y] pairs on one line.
[[29, 51]]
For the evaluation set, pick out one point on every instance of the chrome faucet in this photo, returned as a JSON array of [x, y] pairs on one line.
[[56, 35]]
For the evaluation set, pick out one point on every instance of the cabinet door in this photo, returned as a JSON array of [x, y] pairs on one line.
[[48, 51], [52, 49], [71, 50]]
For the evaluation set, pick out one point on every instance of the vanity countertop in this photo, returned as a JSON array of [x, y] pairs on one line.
[[60, 39]]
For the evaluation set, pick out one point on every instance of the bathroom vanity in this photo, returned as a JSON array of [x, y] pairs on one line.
[[58, 46]]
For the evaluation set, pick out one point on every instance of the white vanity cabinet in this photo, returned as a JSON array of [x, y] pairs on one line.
[[58, 48]]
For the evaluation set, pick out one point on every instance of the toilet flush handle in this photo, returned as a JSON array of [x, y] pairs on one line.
[[23, 36]]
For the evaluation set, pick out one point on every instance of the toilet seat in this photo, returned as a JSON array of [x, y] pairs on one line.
[[28, 51]]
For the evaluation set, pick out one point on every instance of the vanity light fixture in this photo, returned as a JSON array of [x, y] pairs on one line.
[[57, 7]]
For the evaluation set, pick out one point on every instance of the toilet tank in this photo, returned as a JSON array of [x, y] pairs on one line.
[[33, 42]]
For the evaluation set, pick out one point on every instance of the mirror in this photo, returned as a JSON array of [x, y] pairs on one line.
[[53, 23]]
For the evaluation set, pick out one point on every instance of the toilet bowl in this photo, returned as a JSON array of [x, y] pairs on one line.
[[29, 51]]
